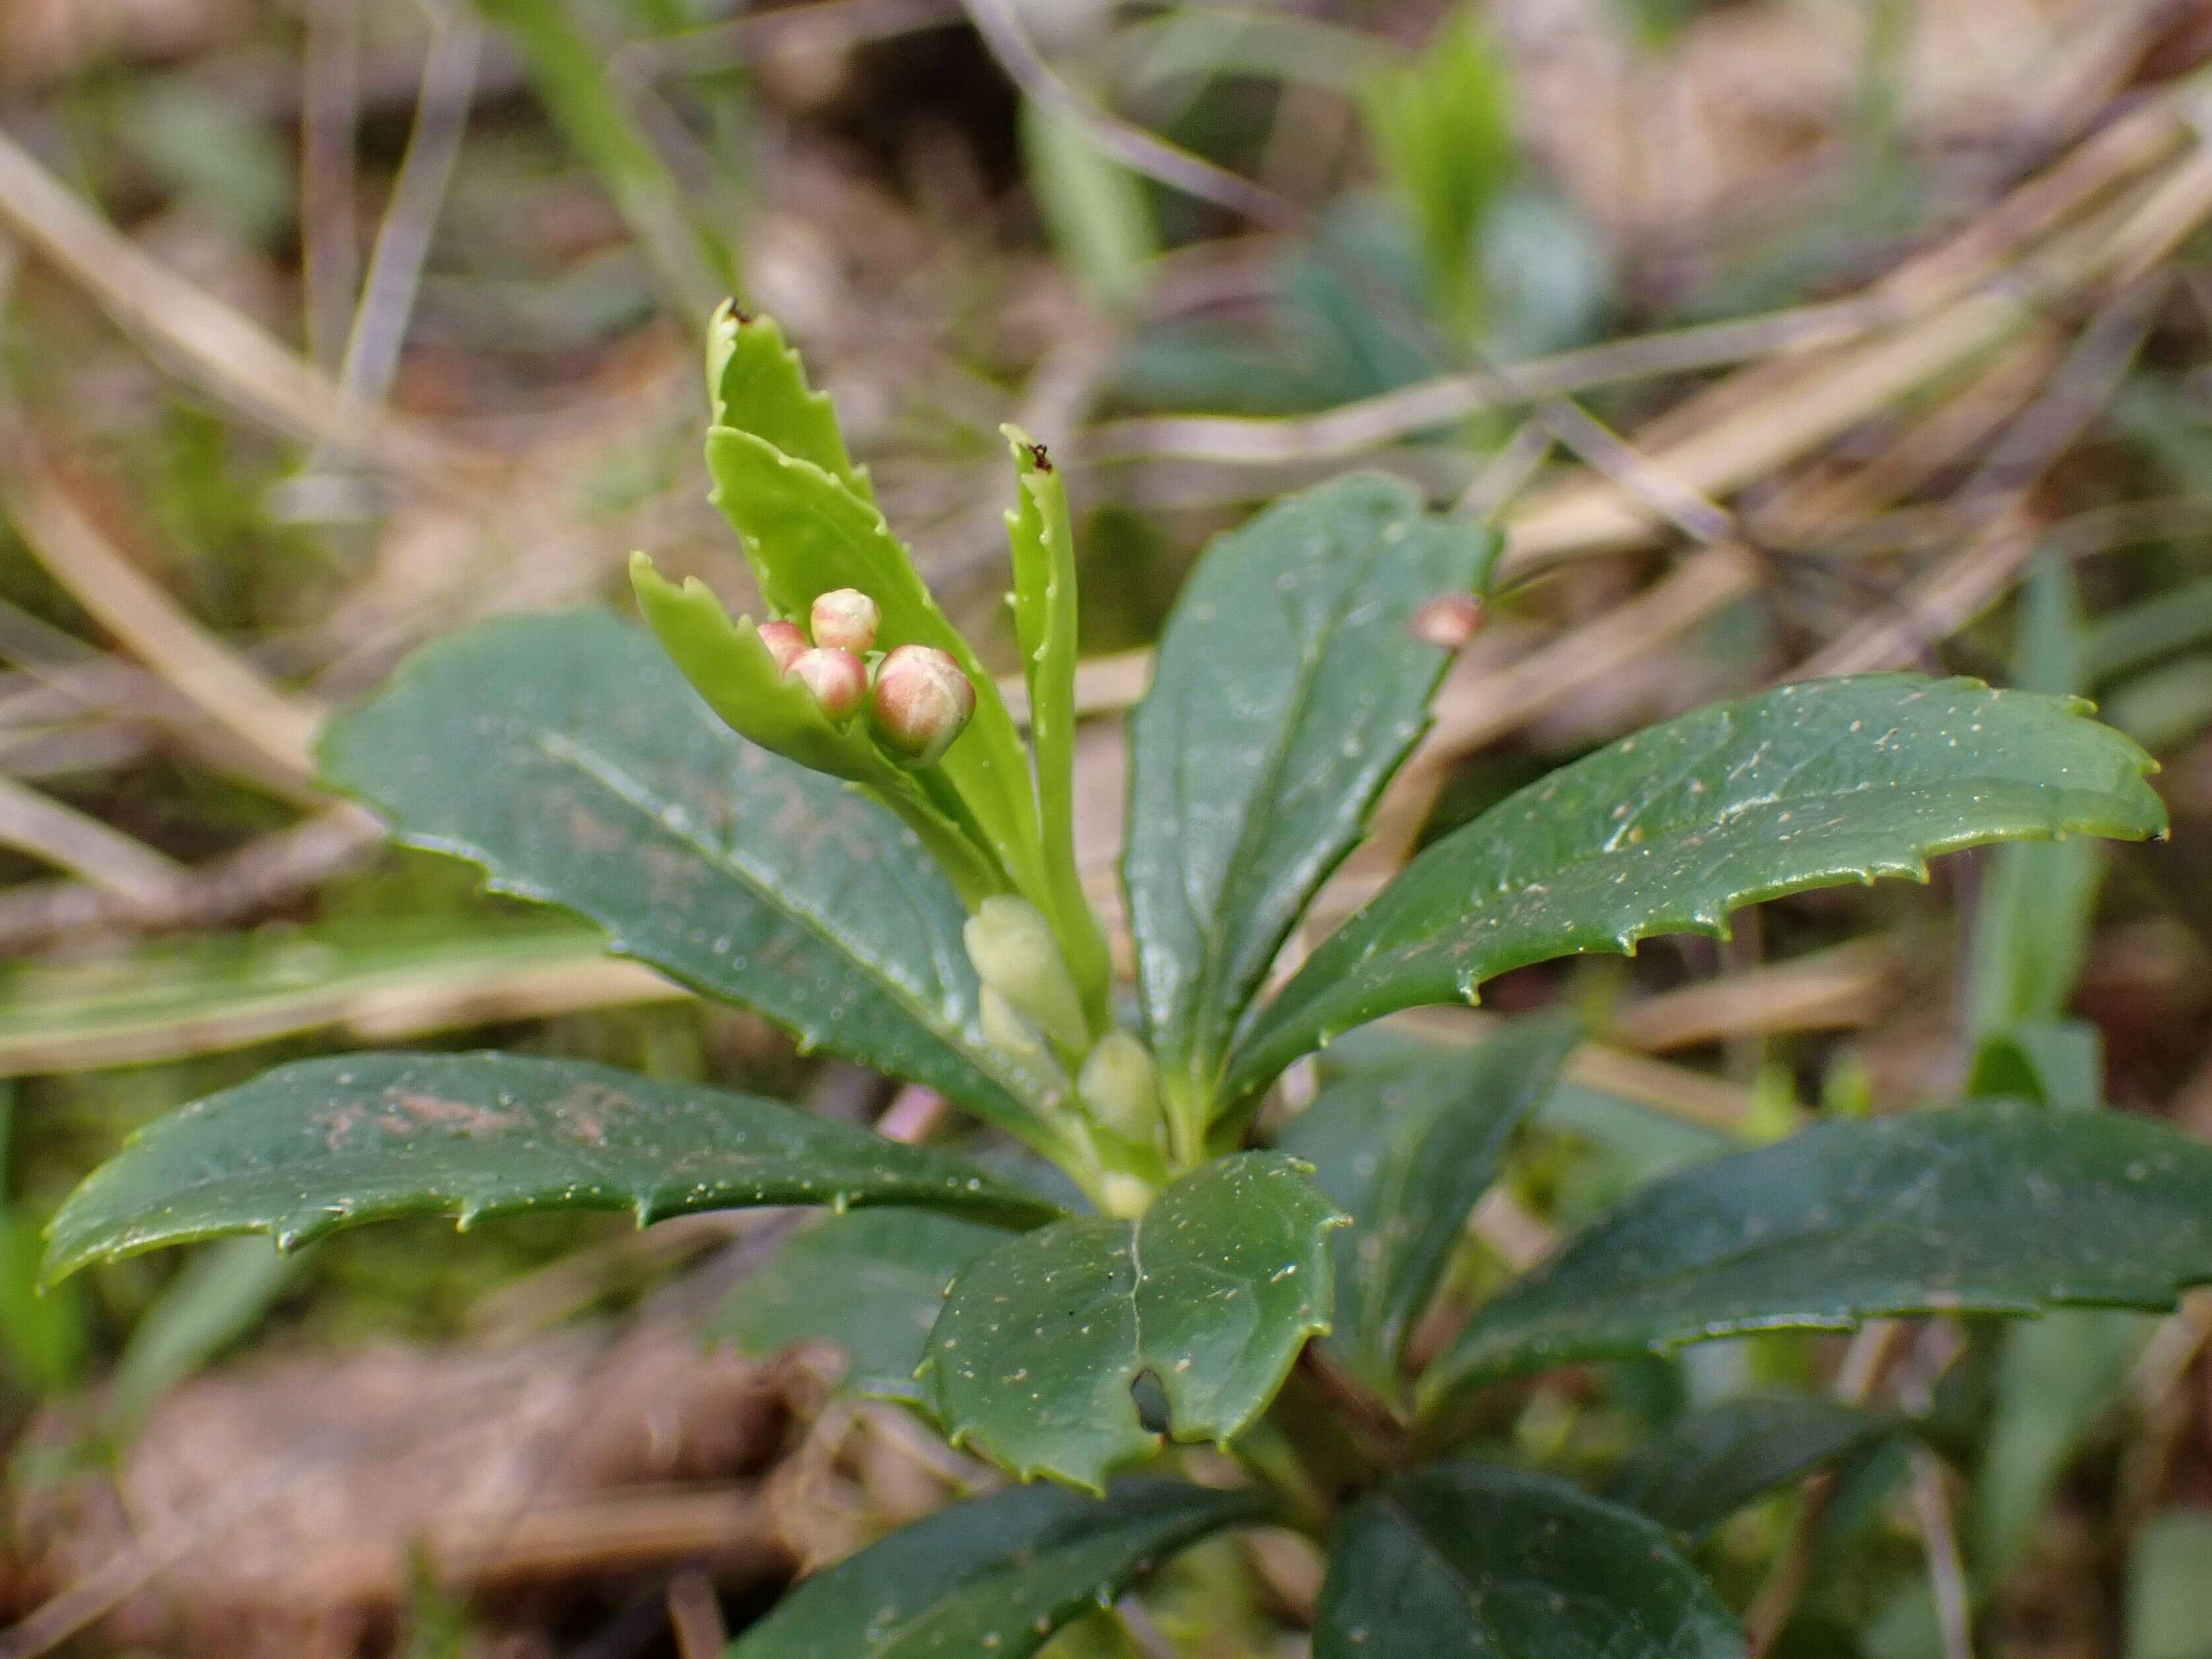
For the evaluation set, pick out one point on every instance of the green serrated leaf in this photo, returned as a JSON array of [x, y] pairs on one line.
[[729, 666], [1212, 1292], [1709, 1464], [1991, 1208], [871, 1282], [757, 383], [567, 755], [1406, 1151], [1287, 690], [1668, 831], [806, 533], [1473, 1561], [993, 1577], [1043, 539], [308, 1148]]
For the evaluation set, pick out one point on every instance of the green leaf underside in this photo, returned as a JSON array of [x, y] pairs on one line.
[[1212, 1292], [567, 755], [1287, 690], [1407, 1151], [805, 534], [757, 385], [1992, 1207], [311, 1147], [993, 1577], [1472, 1561], [1668, 831], [1709, 1464], [870, 1284]]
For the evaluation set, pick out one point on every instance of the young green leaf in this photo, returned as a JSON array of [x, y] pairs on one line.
[[1289, 685], [1992, 1207], [1213, 1291], [567, 755], [1668, 831], [1473, 1561], [871, 1282], [1406, 1151], [308, 1148], [2038, 900], [995, 1576], [1044, 543], [730, 666], [1443, 130], [1708, 1464], [2056, 1379], [806, 533], [757, 383]]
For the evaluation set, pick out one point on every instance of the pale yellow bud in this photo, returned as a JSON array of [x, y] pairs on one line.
[[1016, 955], [1121, 1087]]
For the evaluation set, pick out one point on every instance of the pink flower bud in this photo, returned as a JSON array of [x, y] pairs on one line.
[[838, 679], [1448, 620], [922, 702], [784, 641], [845, 618]]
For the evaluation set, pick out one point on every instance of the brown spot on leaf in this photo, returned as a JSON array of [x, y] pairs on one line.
[[437, 1112], [1448, 620]]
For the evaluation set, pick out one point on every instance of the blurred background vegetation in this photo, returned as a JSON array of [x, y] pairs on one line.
[[1784, 337]]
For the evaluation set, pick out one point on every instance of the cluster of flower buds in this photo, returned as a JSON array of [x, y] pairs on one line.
[[919, 701]]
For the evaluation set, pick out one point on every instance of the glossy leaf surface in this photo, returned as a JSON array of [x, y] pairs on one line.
[[995, 1576], [1287, 688], [1473, 1561], [1212, 1292], [1668, 831], [308, 1148], [1992, 1207], [566, 755]]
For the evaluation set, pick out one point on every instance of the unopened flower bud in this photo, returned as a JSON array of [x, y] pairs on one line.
[[1122, 1088], [838, 679], [1448, 620], [784, 641], [1006, 1029], [846, 619], [922, 702], [1015, 954]]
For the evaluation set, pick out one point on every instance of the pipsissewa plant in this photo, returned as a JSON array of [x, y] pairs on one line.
[[873, 857]]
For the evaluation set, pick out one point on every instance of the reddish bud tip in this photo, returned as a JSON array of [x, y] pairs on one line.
[[922, 702], [1448, 620], [784, 641], [838, 679], [845, 619]]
